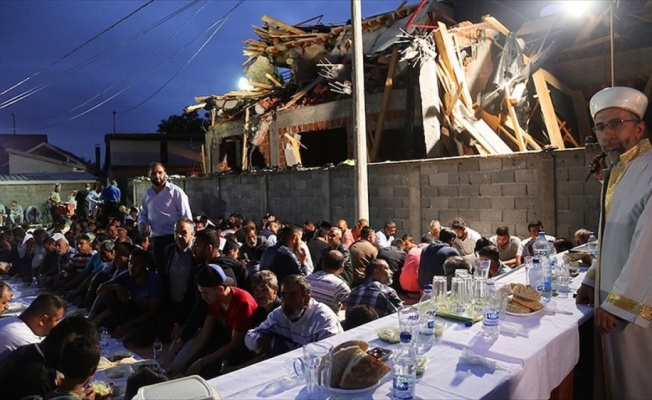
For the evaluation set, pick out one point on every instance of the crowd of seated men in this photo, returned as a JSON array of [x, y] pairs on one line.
[[228, 293]]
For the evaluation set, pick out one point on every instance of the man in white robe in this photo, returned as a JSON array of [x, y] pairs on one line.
[[620, 283]]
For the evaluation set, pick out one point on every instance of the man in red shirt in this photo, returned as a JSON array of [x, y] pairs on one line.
[[228, 317]]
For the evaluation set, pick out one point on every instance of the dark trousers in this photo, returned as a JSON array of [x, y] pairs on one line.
[[159, 243]]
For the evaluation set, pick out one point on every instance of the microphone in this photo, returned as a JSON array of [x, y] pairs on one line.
[[595, 165]]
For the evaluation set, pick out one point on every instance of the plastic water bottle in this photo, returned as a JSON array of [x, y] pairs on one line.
[[592, 245], [35, 282], [491, 317], [427, 313], [536, 275], [105, 339], [157, 349], [405, 369]]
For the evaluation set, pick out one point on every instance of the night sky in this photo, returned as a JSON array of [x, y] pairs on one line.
[[76, 79]]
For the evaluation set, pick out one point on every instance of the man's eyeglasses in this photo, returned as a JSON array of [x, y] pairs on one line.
[[614, 124]]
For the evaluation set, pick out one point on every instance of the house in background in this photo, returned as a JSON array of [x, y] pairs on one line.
[[129, 155]]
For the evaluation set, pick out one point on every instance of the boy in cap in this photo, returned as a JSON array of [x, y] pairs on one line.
[[619, 284], [228, 317]]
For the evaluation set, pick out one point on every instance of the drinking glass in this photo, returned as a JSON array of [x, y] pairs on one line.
[[439, 289], [482, 271], [458, 294], [563, 277], [317, 358], [478, 295]]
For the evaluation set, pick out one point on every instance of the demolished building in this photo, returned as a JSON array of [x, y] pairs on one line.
[[435, 88]]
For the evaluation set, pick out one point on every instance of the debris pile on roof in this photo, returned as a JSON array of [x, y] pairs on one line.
[[483, 89]]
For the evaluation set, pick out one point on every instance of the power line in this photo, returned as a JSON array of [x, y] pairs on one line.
[[224, 18], [220, 22], [92, 59], [77, 48]]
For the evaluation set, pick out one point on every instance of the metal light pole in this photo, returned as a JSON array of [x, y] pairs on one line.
[[359, 126]]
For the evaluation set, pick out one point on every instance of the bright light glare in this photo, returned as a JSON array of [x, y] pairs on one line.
[[243, 84], [576, 8]]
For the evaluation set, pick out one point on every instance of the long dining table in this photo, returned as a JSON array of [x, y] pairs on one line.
[[528, 366]]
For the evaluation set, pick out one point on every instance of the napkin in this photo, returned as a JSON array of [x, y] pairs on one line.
[[469, 357], [512, 329]]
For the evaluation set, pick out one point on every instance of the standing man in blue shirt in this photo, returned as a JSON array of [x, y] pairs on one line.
[[111, 198], [163, 205]]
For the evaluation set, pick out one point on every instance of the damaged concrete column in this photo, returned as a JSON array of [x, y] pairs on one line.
[[430, 107]]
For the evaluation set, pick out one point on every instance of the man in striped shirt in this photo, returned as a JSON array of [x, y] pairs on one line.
[[327, 287]]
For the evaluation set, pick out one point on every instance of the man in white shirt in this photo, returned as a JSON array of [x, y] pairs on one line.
[[466, 238], [327, 287], [300, 320], [507, 246], [525, 249], [163, 204], [30, 326], [385, 237]]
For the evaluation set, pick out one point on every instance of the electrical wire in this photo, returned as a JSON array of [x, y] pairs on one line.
[[220, 22], [71, 52], [224, 19], [94, 58]]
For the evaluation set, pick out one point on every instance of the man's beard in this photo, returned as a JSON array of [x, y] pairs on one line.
[[293, 315]]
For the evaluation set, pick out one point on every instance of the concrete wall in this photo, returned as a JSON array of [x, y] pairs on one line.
[[35, 193], [486, 191]]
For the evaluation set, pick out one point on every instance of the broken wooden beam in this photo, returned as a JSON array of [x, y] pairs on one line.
[[547, 109]]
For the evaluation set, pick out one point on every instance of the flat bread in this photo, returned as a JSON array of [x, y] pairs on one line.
[[532, 305], [526, 292], [357, 343], [341, 360], [517, 308], [363, 371]]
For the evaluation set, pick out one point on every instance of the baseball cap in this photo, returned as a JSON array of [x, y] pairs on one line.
[[221, 276]]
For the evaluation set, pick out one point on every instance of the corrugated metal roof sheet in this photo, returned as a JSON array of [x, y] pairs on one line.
[[51, 176]]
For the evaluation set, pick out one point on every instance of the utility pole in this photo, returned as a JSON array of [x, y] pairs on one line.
[[13, 120], [114, 121], [359, 116]]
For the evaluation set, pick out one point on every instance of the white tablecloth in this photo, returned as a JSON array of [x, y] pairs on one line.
[[530, 367]]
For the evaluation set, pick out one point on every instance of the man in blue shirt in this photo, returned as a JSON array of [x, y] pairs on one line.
[[163, 204], [111, 197]]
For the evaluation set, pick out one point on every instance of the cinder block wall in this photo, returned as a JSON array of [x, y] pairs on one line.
[[486, 191], [34, 193]]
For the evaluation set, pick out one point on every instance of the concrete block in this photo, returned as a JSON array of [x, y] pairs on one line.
[[562, 203], [514, 189], [479, 178], [491, 215], [490, 164], [461, 203], [439, 203], [438, 179], [570, 188], [469, 190], [526, 203], [447, 165], [454, 179], [516, 162], [479, 203], [532, 189], [401, 191], [448, 191], [483, 228], [469, 165], [503, 203], [502, 177], [491, 190], [525, 176], [514, 217], [447, 216]]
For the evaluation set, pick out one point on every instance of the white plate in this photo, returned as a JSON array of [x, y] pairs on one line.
[[523, 314], [354, 391]]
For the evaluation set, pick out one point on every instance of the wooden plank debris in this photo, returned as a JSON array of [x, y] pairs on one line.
[[384, 105]]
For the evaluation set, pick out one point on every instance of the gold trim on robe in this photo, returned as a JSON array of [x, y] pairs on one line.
[[631, 306]]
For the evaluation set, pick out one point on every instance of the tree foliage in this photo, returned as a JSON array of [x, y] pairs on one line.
[[186, 123]]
